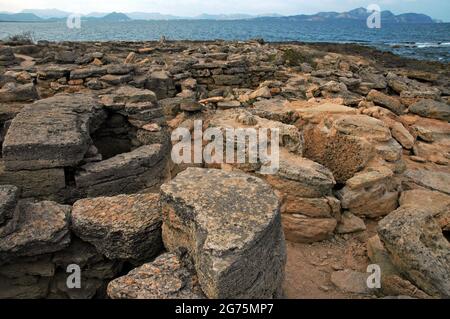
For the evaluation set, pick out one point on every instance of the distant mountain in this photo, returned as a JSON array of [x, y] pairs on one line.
[[361, 14], [115, 17], [47, 13], [355, 14], [152, 16], [19, 17]]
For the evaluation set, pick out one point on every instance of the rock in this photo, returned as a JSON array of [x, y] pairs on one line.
[[116, 79], [124, 173], [43, 228], [53, 72], [435, 202], [124, 227], [275, 110], [131, 58], [350, 281], [65, 57], [228, 104], [40, 183], [370, 194], [402, 135], [190, 105], [12, 92], [432, 109], [8, 199], [230, 223], [344, 155], [53, 132], [433, 180], [301, 229], [392, 282], [350, 224], [87, 72], [168, 277], [363, 126], [161, 83], [414, 239], [120, 69], [316, 178], [387, 101], [263, 92]]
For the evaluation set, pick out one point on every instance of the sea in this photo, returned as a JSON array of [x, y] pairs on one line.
[[419, 41]]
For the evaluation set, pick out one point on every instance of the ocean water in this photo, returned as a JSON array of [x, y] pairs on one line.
[[420, 41]]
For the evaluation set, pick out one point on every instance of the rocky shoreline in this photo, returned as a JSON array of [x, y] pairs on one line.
[[86, 175]]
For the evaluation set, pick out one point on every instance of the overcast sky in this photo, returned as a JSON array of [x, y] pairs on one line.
[[439, 9]]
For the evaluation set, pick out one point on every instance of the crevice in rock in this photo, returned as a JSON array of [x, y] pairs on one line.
[[69, 176], [446, 234], [113, 136]]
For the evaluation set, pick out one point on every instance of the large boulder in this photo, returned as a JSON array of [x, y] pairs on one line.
[[124, 227], [387, 101], [230, 224], [414, 239], [170, 276], [432, 109], [12, 92], [53, 132]]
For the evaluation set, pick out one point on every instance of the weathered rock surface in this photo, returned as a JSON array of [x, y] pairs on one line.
[[124, 227], [8, 199], [170, 276], [432, 109], [12, 92], [53, 132], [230, 223], [43, 228], [418, 248], [124, 173]]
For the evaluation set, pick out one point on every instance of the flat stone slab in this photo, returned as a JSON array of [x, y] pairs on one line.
[[167, 277], [43, 228], [123, 173], [433, 180], [230, 223], [120, 227], [53, 132]]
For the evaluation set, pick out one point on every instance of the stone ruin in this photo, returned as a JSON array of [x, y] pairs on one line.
[[86, 176]]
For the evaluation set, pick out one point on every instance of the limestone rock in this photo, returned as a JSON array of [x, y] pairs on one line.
[[141, 168], [432, 180], [387, 101], [12, 92], [168, 277], [230, 224], [122, 227], [350, 223], [432, 109], [402, 135], [419, 249], [53, 132], [8, 199], [43, 228]]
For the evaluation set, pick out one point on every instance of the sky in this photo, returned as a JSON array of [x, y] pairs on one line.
[[438, 9]]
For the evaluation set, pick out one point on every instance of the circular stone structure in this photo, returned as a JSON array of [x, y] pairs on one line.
[[230, 224]]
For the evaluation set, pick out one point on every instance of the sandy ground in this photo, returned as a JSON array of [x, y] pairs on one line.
[[309, 266]]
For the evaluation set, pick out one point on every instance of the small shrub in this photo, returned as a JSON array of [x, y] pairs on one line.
[[22, 38]]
